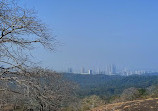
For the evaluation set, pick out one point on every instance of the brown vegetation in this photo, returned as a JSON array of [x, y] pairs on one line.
[[44, 90], [150, 104]]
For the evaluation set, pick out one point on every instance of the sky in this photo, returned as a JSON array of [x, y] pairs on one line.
[[95, 33]]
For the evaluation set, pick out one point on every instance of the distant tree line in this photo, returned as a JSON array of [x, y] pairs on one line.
[[103, 85]]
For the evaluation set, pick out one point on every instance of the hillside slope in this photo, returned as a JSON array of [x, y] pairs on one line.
[[150, 104]]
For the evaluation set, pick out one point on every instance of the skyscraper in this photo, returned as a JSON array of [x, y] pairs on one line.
[[69, 70], [89, 71], [111, 69], [82, 70]]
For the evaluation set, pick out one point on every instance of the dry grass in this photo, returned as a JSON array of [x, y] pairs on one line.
[[150, 104]]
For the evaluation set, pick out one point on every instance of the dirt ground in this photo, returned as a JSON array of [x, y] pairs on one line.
[[150, 104]]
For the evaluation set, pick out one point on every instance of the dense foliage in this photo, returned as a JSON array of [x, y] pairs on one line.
[[104, 85]]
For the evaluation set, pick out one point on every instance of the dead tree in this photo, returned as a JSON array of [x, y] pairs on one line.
[[20, 29]]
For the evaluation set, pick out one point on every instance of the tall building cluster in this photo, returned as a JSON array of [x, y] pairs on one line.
[[110, 69]]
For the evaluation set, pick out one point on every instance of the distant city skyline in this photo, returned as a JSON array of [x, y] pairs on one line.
[[110, 69], [93, 33]]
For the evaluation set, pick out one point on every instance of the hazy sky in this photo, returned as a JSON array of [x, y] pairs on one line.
[[95, 33]]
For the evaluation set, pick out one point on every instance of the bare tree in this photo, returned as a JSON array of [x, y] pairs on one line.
[[43, 90], [40, 89], [19, 30]]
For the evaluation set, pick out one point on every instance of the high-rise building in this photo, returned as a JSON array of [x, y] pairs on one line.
[[82, 70], [98, 71], [111, 69], [69, 70], [89, 71]]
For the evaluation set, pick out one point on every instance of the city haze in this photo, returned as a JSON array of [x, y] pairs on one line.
[[93, 34]]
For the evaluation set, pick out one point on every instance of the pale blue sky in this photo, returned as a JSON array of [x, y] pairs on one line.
[[95, 33]]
